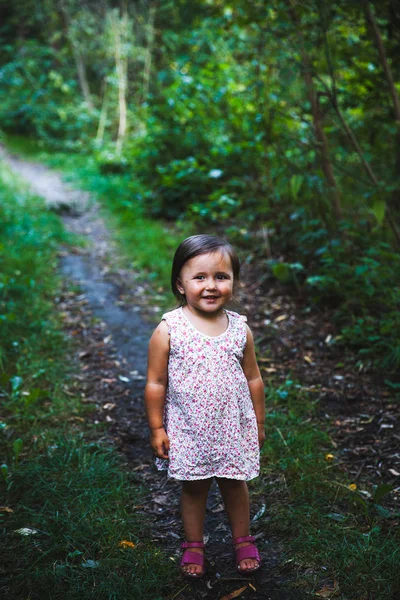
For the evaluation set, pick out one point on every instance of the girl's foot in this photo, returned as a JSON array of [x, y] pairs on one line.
[[247, 555], [192, 562]]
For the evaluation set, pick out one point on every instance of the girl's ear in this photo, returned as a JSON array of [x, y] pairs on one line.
[[180, 287]]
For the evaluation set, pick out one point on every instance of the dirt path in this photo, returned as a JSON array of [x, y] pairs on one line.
[[112, 327]]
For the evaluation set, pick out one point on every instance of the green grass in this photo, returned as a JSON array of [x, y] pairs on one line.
[[328, 528], [56, 478], [75, 495]]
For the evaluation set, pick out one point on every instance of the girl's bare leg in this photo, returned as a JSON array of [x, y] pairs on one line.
[[193, 510], [236, 499]]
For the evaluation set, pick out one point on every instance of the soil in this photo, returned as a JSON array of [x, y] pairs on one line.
[[106, 312]]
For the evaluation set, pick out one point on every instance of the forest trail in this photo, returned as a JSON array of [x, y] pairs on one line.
[[111, 325]]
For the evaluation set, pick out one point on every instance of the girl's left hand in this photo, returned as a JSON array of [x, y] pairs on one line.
[[261, 434]]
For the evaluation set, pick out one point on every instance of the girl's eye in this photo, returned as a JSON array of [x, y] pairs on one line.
[[199, 277]]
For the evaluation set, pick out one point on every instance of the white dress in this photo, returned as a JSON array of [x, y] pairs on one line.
[[209, 415]]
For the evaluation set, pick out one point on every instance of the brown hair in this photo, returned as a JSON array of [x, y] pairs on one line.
[[196, 245]]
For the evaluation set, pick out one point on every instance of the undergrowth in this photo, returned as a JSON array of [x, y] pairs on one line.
[[69, 527], [333, 530]]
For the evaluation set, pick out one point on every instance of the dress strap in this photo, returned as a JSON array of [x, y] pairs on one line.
[[171, 318]]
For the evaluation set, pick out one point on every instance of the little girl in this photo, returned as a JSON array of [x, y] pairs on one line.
[[205, 397]]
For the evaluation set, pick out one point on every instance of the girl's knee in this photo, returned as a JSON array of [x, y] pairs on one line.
[[231, 484], [193, 488]]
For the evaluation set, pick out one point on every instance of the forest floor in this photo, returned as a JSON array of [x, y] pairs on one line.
[[109, 316]]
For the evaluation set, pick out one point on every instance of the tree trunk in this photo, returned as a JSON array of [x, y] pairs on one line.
[[149, 51], [83, 82], [385, 65], [393, 92], [103, 116], [333, 96], [80, 65], [121, 65], [322, 142]]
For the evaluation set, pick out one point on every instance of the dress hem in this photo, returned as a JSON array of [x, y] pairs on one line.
[[248, 478]]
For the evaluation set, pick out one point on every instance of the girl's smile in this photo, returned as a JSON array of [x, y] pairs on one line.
[[206, 281]]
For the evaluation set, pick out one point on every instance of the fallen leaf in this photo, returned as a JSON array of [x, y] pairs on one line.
[[336, 517], [392, 471], [259, 514], [328, 591], [235, 594], [123, 378], [126, 544], [109, 406], [280, 318], [6, 509], [308, 359], [252, 587], [90, 564], [26, 531]]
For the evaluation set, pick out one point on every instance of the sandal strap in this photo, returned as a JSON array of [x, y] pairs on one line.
[[246, 538], [193, 545], [249, 551], [192, 558]]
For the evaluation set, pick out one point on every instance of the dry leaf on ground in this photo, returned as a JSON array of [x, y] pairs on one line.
[[235, 594], [328, 591]]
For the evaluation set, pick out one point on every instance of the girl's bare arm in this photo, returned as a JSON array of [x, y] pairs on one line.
[[156, 387], [256, 385]]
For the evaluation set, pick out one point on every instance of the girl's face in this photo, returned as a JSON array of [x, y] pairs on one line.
[[207, 282]]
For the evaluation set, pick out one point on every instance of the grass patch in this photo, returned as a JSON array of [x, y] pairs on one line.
[[67, 502], [329, 526]]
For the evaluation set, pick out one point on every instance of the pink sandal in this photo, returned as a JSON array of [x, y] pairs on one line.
[[192, 558], [249, 551]]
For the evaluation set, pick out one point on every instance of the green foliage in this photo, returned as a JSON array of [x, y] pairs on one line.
[[360, 276], [36, 97]]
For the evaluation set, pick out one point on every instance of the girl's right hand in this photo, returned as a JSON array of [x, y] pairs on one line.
[[159, 442]]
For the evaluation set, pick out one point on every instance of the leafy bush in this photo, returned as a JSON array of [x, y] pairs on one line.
[[356, 273], [36, 98], [180, 183], [365, 284]]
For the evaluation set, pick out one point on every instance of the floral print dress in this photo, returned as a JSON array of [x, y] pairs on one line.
[[208, 415]]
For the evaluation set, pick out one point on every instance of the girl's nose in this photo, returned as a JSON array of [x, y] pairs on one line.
[[210, 285]]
